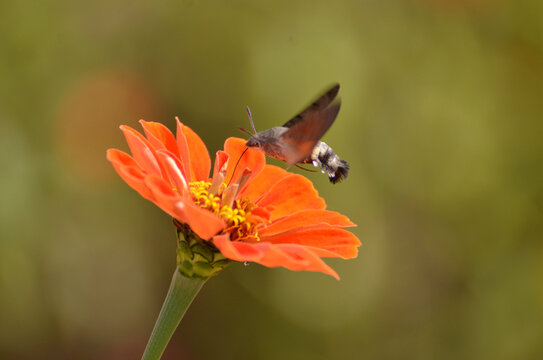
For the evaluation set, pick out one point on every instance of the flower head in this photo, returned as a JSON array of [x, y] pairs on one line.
[[248, 211]]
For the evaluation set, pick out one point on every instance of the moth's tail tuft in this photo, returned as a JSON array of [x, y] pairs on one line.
[[341, 172]]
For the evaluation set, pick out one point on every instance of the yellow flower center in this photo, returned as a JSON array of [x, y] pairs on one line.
[[237, 217]]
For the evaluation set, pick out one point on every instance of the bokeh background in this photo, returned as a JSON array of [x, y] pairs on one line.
[[441, 122]]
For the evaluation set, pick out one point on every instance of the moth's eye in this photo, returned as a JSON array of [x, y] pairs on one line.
[[252, 142]]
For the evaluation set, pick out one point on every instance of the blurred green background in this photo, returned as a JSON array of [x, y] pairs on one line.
[[441, 122]]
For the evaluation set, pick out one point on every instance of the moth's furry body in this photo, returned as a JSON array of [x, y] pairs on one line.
[[324, 157], [297, 141]]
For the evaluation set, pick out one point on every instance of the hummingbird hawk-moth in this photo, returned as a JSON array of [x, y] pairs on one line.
[[298, 140]]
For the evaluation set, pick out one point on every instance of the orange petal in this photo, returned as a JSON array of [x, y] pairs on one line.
[[261, 213], [262, 183], [200, 163], [221, 160], [306, 219], [173, 166], [142, 150], [243, 178], [160, 136], [203, 222], [322, 253], [251, 159], [238, 251], [293, 257], [291, 194], [164, 197], [297, 258], [341, 242], [129, 171], [183, 146]]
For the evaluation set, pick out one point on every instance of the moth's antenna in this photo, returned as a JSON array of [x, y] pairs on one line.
[[251, 118], [235, 167], [245, 131]]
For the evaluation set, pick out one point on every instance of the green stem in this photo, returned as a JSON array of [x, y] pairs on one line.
[[180, 295]]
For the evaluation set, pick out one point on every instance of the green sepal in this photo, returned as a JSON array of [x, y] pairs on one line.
[[196, 258]]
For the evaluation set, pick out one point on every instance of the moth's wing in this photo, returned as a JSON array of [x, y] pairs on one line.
[[320, 104], [300, 139]]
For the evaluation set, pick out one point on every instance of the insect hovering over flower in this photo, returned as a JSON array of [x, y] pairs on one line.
[[298, 140]]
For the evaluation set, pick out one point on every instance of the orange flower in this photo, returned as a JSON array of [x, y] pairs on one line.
[[253, 212]]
